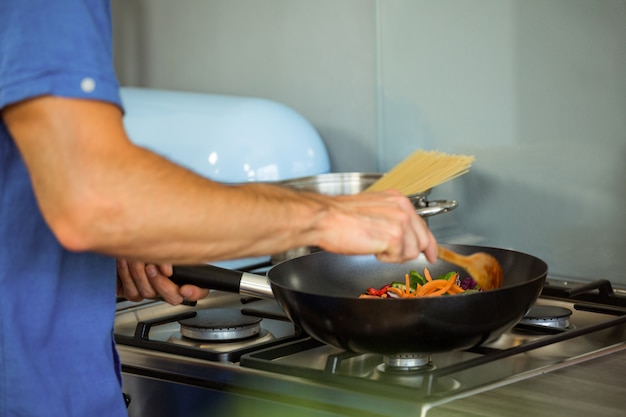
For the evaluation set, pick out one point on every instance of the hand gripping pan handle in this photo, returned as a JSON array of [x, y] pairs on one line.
[[222, 279]]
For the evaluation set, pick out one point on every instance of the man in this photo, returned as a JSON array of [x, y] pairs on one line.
[[76, 194]]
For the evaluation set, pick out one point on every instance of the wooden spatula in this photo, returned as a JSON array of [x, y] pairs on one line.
[[482, 267]]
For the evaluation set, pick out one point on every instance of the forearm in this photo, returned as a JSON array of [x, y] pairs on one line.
[[99, 192], [165, 213]]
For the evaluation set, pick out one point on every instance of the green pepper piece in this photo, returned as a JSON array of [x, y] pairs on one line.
[[416, 278], [447, 276]]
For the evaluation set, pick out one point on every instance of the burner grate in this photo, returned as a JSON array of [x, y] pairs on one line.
[[599, 292], [267, 359], [141, 339]]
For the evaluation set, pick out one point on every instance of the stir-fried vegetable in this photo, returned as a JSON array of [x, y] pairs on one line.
[[418, 285]]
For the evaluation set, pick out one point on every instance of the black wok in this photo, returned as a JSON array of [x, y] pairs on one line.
[[319, 292]]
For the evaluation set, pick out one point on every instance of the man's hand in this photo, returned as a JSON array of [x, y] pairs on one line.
[[138, 280]]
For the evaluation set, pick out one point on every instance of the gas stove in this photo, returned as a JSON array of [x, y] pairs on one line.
[[231, 355]]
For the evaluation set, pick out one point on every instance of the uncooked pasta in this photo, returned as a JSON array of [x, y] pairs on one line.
[[423, 170]]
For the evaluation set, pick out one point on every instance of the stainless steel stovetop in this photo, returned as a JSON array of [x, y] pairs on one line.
[[276, 370]]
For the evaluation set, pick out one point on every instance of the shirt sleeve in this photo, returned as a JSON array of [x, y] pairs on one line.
[[60, 47]]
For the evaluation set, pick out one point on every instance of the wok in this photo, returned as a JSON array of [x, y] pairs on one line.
[[319, 292]]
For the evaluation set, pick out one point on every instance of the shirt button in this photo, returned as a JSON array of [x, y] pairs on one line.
[[87, 85]]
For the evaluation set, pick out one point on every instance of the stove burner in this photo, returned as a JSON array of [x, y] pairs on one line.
[[407, 362], [413, 370], [220, 324], [548, 316]]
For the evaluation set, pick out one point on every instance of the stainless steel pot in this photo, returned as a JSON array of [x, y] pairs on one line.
[[347, 183]]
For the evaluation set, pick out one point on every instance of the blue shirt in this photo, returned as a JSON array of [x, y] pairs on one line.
[[57, 354]]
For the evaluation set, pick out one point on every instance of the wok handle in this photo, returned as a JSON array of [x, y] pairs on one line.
[[222, 279]]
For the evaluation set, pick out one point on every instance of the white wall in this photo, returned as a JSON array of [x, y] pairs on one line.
[[535, 89], [315, 56]]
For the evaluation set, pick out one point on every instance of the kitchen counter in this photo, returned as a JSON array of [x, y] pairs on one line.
[[595, 387]]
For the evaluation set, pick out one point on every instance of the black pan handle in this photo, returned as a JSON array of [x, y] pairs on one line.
[[207, 276], [222, 279]]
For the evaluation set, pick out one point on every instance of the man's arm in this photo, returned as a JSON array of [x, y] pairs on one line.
[[100, 192]]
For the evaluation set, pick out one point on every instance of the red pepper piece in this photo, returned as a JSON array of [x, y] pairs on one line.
[[379, 292]]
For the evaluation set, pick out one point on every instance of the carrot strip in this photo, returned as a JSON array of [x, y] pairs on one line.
[[431, 286], [427, 275], [407, 284], [396, 291], [444, 289], [455, 289]]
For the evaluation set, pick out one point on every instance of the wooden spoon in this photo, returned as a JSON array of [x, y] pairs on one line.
[[482, 267]]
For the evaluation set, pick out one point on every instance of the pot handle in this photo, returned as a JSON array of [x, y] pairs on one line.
[[436, 207], [222, 279]]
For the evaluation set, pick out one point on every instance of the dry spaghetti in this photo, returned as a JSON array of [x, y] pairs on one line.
[[423, 170]]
